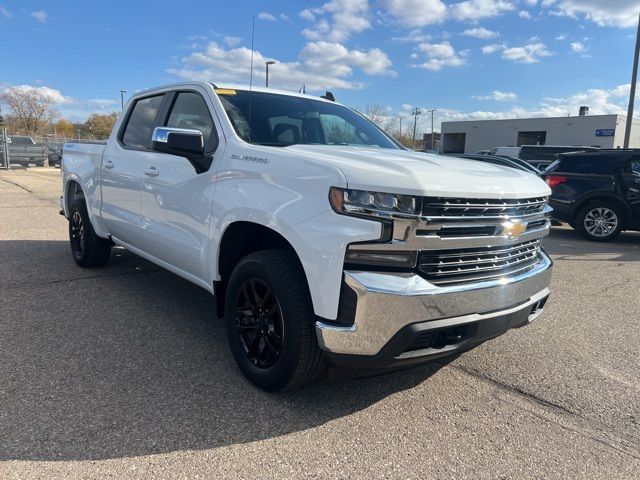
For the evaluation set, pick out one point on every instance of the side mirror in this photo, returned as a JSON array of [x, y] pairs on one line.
[[178, 141]]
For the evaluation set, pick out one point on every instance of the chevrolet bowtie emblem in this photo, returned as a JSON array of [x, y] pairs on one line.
[[514, 228]]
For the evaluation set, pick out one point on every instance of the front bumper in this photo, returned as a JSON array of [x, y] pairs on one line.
[[398, 313]]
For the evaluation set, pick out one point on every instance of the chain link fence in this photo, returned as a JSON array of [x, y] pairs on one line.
[[51, 145]]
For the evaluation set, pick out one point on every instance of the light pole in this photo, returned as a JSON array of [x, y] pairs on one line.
[[632, 94], [266, 65], [432, 111], [416, 111], [122, 92]]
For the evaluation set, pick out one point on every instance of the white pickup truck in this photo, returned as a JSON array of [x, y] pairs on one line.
[[324, 242]]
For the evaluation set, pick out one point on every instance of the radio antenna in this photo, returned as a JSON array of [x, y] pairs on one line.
[[253, 35]]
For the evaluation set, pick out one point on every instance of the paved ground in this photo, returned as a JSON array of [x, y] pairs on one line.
[[124, 372]]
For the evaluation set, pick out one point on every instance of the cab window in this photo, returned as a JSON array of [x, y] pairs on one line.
[[190, 111], [141, 123]]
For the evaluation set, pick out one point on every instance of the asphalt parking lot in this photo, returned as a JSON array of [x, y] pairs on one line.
[[124, 372]]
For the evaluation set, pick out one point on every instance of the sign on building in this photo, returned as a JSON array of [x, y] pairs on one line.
[[606, 132]]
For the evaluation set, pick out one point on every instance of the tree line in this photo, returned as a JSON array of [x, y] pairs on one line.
[[29, 112]]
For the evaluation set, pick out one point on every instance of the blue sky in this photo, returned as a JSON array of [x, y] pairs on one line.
[[466, 58]]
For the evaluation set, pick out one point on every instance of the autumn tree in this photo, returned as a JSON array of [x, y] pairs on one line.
[[100, 125], [29, 109], [64, 128]]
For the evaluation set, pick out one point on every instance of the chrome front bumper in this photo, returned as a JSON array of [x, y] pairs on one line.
[[388, 302]]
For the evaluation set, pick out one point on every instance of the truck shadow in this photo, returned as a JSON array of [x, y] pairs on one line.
[[130, 360], [567, 244]]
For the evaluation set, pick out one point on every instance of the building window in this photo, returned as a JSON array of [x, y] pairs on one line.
[[454, 142], [532, 138]]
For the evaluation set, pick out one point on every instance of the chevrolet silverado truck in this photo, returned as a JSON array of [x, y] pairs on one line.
[[324, 242], [23, 151]]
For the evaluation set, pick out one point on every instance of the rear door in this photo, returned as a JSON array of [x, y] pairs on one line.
[[176, 200], [631, 181], [122, 165]]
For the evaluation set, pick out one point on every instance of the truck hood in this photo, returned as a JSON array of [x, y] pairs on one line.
[[416, 173]]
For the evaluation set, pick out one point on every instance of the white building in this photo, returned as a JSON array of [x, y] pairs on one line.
[[606, 131]]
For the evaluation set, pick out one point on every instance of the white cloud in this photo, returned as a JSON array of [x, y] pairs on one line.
[[493, 48], [307, 15], [524, 14], [40, 16], [5, 13], [345, 17], [530, 53], [479, 9], [531, 3], [439, 56], [232, 41], [416, 13], [414, 36], [578, 47], [618, 13], [480, 33], [267, 16], [321, 65], [54, 96], [498, 96], [561, 37], [601, 102], [284, 17]]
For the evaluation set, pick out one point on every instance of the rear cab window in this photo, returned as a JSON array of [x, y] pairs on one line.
[[141, 122]]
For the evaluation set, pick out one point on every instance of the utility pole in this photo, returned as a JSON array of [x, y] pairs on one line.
[[415, 112], [122, 92], [266, 64], [432, 111], [632, 94]]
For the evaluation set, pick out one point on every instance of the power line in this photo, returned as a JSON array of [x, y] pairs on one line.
[[415, 112]]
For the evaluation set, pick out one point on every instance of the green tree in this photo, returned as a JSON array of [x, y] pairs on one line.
[[99, 125]]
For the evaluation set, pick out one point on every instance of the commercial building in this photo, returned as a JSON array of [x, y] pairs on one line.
[[605, 131]]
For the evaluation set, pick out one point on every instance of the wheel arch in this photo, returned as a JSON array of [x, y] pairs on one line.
[[238, 240], [602, 197]]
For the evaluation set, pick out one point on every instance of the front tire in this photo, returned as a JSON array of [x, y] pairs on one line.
[[599, 221], [88, 249], [269, 322]]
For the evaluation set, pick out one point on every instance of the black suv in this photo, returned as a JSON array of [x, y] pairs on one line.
[[541, 156], [597, 193]]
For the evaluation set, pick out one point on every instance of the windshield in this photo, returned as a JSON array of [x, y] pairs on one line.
[[283, 120]]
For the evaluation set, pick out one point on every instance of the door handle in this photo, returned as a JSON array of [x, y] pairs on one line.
[[109, 164], [151, 171]]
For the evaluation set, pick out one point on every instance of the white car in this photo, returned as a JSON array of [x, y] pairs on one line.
[[323, 241]]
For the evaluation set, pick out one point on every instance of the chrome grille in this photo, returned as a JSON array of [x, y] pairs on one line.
[[469, 207], [472, 265]]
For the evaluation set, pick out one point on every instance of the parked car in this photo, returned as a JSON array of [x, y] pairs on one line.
[[24, 151], [502, 160], [540, 156], [55, 154], [323, 241], [505, 151], [597, 193]]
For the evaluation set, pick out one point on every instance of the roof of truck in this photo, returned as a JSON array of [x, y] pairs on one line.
[[227, 86]]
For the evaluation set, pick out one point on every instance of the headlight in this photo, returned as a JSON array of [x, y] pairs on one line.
[[373, 204]]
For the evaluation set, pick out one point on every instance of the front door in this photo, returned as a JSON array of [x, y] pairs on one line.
[[121, 170], [631, 180], [176, 200]]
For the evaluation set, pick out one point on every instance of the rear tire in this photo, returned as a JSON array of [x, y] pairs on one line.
[[88, 249], [269, 322], [600, 221]]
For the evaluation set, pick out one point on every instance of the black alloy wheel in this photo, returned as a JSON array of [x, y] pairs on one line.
[[76, 233], [258, 323]]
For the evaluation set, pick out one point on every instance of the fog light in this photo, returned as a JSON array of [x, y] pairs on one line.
[[383, 259]]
